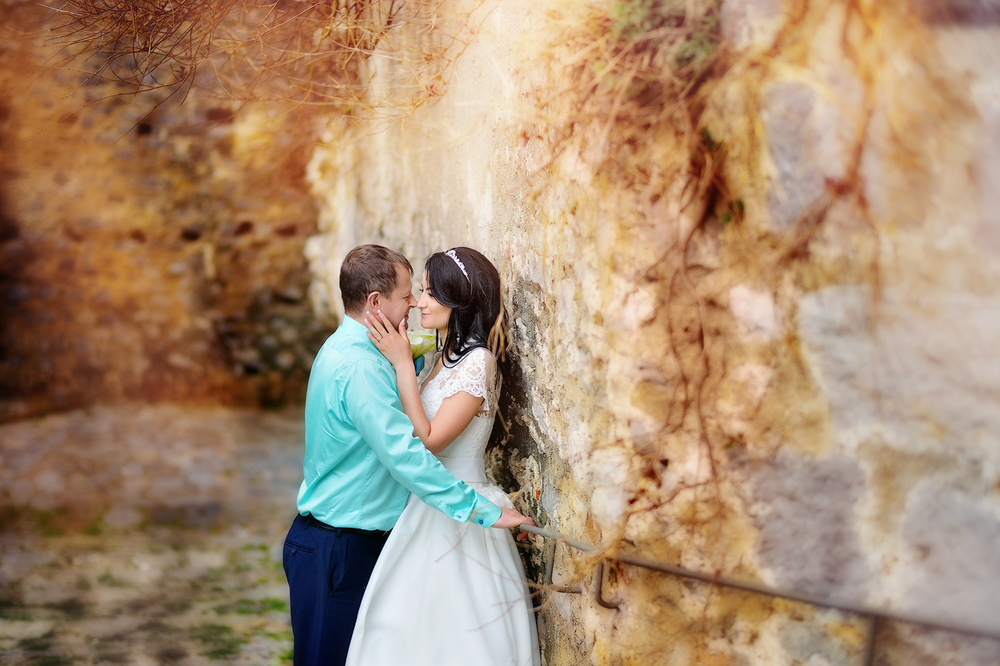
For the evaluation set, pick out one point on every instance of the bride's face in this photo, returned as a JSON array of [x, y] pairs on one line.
[[433, 315]]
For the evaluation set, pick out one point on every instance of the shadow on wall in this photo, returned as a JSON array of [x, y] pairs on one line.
[[510, 449], [12, 262]]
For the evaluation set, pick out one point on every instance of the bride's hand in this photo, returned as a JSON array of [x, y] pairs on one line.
[[393, 343]]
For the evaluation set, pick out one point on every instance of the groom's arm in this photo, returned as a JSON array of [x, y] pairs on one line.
[[374, 407]]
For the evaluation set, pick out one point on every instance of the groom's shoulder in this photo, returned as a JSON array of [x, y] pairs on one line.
[[350, 353], [346, 350]]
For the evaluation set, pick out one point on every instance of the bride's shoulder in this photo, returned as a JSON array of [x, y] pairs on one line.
[[476, 374], [477, 364], [479, 360], [480, 354]]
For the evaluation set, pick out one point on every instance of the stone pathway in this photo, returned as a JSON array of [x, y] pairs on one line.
[[146, 535]]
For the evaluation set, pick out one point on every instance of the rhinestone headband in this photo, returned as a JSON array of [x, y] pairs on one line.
[[453, 255]]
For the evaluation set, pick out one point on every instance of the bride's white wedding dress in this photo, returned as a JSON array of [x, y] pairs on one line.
[[445, 592]]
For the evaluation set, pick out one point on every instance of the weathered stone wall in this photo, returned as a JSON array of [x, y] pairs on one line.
[[759, 344], [149, 249]]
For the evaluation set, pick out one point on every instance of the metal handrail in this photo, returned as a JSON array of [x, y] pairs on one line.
[[875, 615]]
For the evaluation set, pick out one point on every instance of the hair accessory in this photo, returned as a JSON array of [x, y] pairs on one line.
[[453, 255]]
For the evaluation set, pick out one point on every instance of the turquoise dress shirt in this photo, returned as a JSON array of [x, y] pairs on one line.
[[361, 458]]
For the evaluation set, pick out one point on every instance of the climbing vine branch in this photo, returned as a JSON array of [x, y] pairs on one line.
[[299, 52]]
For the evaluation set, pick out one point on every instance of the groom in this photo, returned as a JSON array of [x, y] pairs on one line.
[[361, 463]]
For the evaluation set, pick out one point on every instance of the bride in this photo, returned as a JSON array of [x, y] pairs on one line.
[[442, 593]]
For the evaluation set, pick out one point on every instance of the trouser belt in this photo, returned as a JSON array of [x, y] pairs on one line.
[[311, 521]]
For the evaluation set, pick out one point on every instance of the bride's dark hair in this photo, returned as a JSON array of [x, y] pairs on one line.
[[465, 281]]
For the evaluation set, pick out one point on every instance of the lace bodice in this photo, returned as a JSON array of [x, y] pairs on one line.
[[474, 374]]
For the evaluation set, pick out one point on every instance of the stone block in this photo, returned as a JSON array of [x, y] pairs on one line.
[[986, 171], [953, 567], [750, 23], [806, 511], [918, 370], [756, 313], [790, 121], [962, 12], [811, 123]]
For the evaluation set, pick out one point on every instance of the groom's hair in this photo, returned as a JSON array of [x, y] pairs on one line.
[[369, 268]]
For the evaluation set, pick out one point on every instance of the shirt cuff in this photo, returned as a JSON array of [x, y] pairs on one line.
[[485, 516]]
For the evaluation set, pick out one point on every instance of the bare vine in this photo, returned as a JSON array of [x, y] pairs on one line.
[[623, 77], [644, 74], [297, 52]]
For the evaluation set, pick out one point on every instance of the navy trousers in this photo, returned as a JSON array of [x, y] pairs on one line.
[[327, 570]]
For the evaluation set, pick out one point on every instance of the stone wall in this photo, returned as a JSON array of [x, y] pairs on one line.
[[150, 246], [752, 332]]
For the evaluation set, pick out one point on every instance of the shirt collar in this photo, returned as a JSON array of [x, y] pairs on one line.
[[354, 328]]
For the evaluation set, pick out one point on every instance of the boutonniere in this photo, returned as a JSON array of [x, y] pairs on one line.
[[421, 343]]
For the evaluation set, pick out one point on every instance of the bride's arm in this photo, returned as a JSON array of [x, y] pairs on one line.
[[455, 413], [454, 416]]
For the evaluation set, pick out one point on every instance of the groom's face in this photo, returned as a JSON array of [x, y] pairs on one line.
[[397, 305]]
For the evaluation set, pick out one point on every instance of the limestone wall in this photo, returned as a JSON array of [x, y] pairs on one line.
[[753, 314]]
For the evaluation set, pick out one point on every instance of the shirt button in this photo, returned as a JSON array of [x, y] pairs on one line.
[[480, 522]]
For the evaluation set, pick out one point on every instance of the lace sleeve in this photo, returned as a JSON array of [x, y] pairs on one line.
[[475, 374]]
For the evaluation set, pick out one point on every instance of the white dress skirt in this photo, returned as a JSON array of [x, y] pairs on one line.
[[445, 592]]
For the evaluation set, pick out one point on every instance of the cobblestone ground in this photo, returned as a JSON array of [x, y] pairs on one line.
[[146, 535]]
